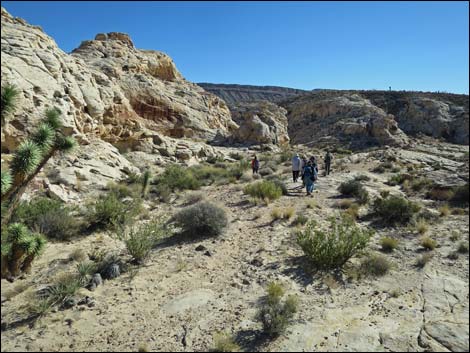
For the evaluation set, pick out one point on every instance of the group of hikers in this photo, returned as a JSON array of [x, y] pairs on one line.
[[306, 170]]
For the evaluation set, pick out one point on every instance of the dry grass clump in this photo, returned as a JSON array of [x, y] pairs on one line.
[[424, 259], [421, 226], [444, 210], [224, 342], [282, 213], [375, 265], [428, 243], [388, 244], [344, 204], [78, 255]]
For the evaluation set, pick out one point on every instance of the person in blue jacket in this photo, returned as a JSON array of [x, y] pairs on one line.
[[309, 177]]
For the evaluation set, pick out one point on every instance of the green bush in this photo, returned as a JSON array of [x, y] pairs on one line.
[[202, 220], [278, 182], [263, 190], [388, 244], [331, 248], [141, 240], [176, 177], [394, 209], [300, 220], [49, 217], [275, 313], [375, 265], [354, 188], [111, 212], [462, 247]]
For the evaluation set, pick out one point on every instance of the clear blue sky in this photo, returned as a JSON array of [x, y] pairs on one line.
[[356, 45]]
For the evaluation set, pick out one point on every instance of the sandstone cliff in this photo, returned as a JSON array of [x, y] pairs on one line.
[[106, 88]]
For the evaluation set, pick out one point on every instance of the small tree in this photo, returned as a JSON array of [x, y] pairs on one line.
[[32, 154]]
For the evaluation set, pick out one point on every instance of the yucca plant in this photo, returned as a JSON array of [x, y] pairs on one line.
[[146, 177], [9, 97], [19, 249], [31, 155]]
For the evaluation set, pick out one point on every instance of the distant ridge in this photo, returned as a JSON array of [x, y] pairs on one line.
[[233, 93]]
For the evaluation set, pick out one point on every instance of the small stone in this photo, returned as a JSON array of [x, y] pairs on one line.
[[200, 248], [208, 253]]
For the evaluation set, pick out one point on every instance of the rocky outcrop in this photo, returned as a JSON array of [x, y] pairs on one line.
[[348, 119], [260, 123], [106, 88], [233, 94]]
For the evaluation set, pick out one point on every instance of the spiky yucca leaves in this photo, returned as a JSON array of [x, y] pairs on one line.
[[9, 97], [25, 159], [43, 137], [6, 181], [35, 249], [31, 157], [21, 242]]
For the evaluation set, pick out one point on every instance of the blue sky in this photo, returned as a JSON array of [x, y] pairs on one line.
[[342, 45]]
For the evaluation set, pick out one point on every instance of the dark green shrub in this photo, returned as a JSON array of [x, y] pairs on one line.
[[356, 189], [223, 342], [263, 190], [49, 217], [331, 248], [111, 212], [201, 220], [394, 209], [375, 265], [274, 313], [461, 196], [278, 182], [300, 220], [176, 177], [462, 247]]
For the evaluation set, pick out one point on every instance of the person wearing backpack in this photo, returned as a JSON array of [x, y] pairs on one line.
[[328, 159], [310, 176], [296, 166], [255, 165]]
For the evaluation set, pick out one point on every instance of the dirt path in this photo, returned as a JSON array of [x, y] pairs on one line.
[[183, 296]]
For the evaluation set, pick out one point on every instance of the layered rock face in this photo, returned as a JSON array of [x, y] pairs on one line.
[[348, 119], [260, 123], [233, 94], [105, 88]]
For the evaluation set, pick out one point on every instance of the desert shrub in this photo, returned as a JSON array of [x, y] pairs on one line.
[[193, 197], [278, 182], [246, 177], [64, 287], [263, 190], [421, 226], [388, 244], [398, 179], [164, 192], [214, 159], [458, 211], [237, 156], [266, 171], [461, 196], [428, 243], [454, 236], [356, 189], [237, 170], [224, 342], [462, 248], [282, 213], [344, 204], [353, 211], [423, 260], [444, 210], [111, 212], [121, 190], [201, 220], [49, 217], [140, 240], [331, 248], [440, 194], [394, 209], [300, 220], [176, 177], [276, 313], [78, 255], [362, 177], [85, 270], [383, 167], [421, 184], [375, 265]]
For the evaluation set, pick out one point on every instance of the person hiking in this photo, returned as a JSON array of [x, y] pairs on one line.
[[296, 166], [328, 159], [255, 165], [302, 166], [309, 177], [313, 159]]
